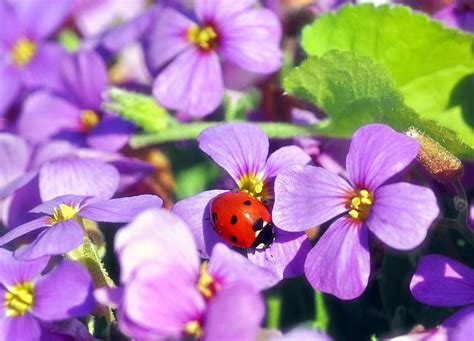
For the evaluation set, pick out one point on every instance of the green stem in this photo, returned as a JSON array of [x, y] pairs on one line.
[[321, 318], [274, 311], [188, 131]]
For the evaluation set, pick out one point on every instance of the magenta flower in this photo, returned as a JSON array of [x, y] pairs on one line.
[[27, 60], [191, 53], [75, 115], [32, 302], [242, 150], [399, 214], [441, 281], [167, 293], [62, 227]]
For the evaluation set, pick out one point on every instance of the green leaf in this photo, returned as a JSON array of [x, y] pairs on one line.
[[140, 109], [431, 65], [354, 91]]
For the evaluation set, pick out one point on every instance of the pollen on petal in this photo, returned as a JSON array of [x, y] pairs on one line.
[[63, 212], [23, 51], [254, 185], [205, 37], [19, 299], [360, 204]]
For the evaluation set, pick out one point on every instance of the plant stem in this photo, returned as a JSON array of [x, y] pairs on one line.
[[188, 131], [321, 318], [274, 311]]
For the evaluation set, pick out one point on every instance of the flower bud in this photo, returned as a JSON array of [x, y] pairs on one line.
[[442, 165]]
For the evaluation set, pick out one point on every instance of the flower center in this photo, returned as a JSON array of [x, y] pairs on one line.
[[254, 185], [206, 284], [360, 204], [89, 119], [62, 213], [193, 329], [23, 51], [19, 299], [205, 37]]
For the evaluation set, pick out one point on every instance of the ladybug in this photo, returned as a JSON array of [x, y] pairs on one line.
[[242, 220]]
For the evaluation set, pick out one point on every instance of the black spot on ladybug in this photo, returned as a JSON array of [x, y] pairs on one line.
[[233, 239], [247, 203], [233, 219], [214, 216], [258, 225]]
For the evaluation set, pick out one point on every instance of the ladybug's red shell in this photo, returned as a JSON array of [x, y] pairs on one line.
[[238, 218]]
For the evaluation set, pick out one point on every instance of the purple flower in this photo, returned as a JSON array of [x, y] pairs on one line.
[[32, 302], [441, 281], [242, 150], [398, 214], [191, 53], [27, 60], [30, 175], [166, 293], [62, 229], [95, 17], [459, 14], [75, 115]]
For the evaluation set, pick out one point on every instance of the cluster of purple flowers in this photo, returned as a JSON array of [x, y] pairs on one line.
[[68, 177]]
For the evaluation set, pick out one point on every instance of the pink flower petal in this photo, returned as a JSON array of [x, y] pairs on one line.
[[191, 83], [121, 210], [441, 281], [86, 177], [84, 77], [251, 40], [220, 10], [339, 264], [377, 153], [13, 271], [14, 158], [227, 266], [285, 157], [43, 115], [159, 236], [195, 213], [235, 313], [307, 196], [402, 214], [10, 86], [64, 292], [240, 148], [55, 240], [286, 256], [168, 38], [163, 295]]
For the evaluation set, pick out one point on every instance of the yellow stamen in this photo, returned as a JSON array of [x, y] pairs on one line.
[[19, 299], [205, 37], [206, 284], [23, 51], [89, 119], [62, 213], [360, 204], [193, 329], [254, 185]]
